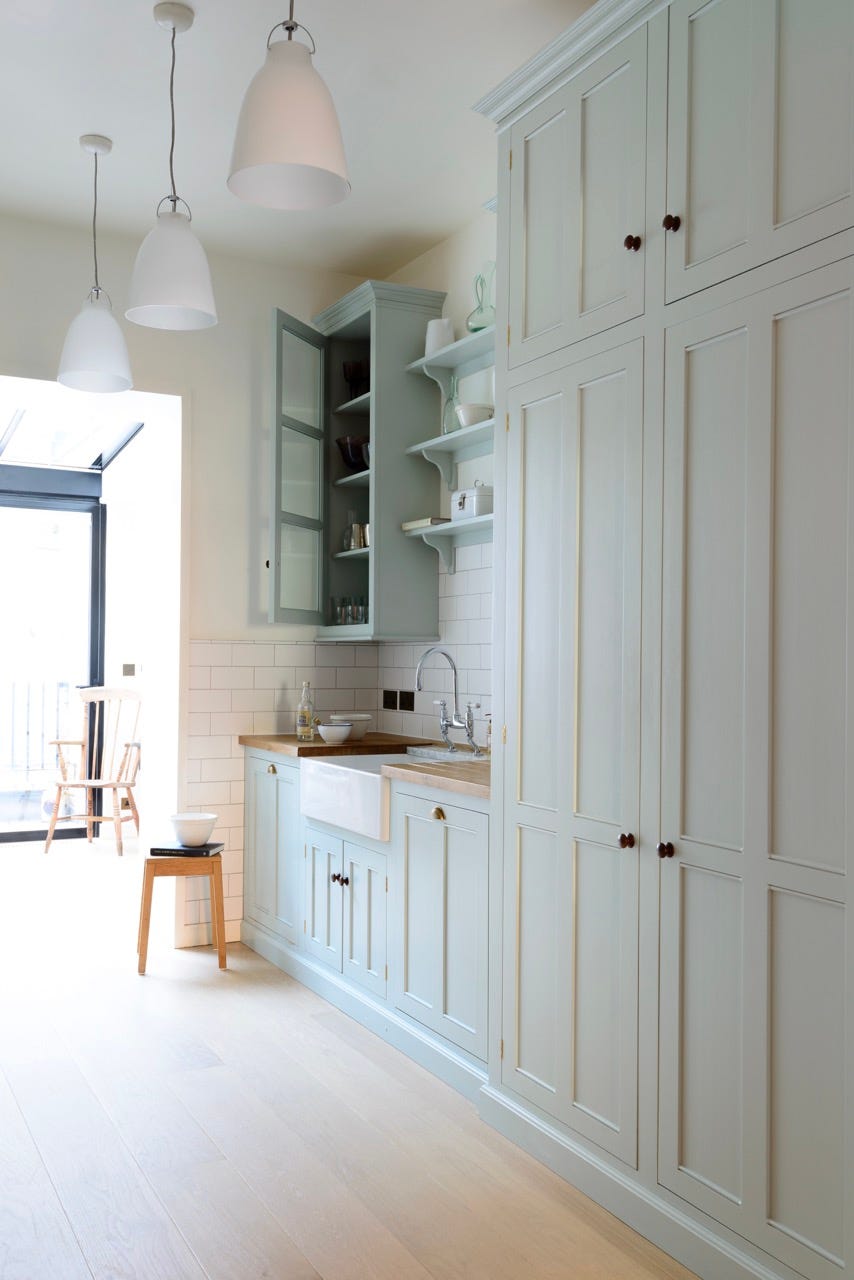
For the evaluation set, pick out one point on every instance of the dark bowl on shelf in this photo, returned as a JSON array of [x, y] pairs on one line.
[[351, 451]]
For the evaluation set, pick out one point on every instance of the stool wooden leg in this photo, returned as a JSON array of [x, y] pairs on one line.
[[218, 911], [145, 914]]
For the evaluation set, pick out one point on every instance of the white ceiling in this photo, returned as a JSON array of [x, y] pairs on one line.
[[403, 75]]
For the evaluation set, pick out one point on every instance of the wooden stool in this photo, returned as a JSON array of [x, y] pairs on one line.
[[179, 866]]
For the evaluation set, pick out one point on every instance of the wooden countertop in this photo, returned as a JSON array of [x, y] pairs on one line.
[[373, 744], [465, 777]]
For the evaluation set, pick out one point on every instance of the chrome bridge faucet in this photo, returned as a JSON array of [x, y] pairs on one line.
[[454, 721]]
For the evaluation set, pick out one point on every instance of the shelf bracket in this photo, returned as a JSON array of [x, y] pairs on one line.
[[445, 548], [445, 461]]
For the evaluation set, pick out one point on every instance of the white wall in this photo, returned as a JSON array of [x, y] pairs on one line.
[[223, 374], [465, 597]]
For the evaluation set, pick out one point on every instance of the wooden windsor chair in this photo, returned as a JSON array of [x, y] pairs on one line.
[[106, 759]]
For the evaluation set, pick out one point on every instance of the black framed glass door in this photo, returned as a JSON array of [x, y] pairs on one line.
[[51, 639]]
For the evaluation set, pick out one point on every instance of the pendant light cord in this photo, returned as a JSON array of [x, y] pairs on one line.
[[95, 229], [174, 196]]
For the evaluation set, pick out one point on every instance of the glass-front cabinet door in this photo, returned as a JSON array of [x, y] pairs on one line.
[[298, 467]]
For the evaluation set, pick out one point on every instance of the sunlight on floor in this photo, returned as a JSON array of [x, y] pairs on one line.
[[73, 913]]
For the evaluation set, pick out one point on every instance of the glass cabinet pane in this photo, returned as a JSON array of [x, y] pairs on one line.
[[299, 568], [302, 372], [301, 461]]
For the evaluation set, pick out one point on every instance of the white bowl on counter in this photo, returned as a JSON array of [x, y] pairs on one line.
[[193, 829], [357, 720], [335, 733]]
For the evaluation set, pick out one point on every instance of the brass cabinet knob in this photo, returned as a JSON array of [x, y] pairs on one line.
[[271, 768], [438, 813]]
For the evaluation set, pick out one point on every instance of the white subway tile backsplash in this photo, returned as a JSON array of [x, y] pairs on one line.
[[209, 700], [367, 655], [273, 677], [221, 770], [252, 655], [294, 655], [200, 678], [253, 699], [231, 677], [335, 655], [207, 748], [209, 653], [356, 678], [231, 722], [199, 724]]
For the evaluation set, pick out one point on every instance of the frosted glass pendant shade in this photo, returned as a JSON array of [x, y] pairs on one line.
[[171, 283], [288, 152], [95, 354]]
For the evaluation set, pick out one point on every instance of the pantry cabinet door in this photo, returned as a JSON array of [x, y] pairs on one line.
[[441, 976], [571, 808], [757, 715], [323, 897], [364, 899], [760, 146], [274, 847], [577, 190]]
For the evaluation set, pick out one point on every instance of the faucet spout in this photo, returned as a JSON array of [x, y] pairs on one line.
[[455, 721]]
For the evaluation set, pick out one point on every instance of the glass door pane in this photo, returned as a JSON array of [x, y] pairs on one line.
[[45, 582], [298, 516]]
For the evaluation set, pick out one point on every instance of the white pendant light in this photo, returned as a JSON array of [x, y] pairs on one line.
[[288, 152], [95, 355], [171, 282]]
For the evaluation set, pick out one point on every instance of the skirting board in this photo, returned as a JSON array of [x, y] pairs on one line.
[[432, 1053], [664, 1224]]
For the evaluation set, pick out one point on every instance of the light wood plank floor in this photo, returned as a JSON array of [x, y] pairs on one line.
[[195, 1124]]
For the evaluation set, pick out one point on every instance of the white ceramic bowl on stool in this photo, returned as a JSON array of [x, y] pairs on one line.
[[193, 829], [335, 734], [357, 720]]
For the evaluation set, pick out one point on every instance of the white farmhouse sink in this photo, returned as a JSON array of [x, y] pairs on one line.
[[347, 791]]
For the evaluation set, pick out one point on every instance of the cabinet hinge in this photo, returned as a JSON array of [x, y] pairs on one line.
[[508, 335], [507, 422], [502, 1050], [511, 158], [386, 884], [386, 973], [504, 733], [304, 929]]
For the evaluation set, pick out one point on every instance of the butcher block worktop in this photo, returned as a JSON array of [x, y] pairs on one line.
[[373, 744], [463, 776]]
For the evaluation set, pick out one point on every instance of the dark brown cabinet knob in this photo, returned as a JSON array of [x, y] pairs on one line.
[[344, 880], [627, 840], [665, 850], [335, 877], [672, 222], [632, 242]]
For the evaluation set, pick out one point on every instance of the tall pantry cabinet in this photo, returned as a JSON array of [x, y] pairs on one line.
[[675, 989]]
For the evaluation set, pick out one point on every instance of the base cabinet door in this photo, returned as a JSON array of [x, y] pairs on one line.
[[758, 660], [345, 908], [571, 797], [441, 911], [273, 846], [324, 861], [364, 896]]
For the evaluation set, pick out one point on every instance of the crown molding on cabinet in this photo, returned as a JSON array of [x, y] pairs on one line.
[[587, 38]]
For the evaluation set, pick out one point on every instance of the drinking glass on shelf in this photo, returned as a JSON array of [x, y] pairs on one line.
[[449, 411]]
